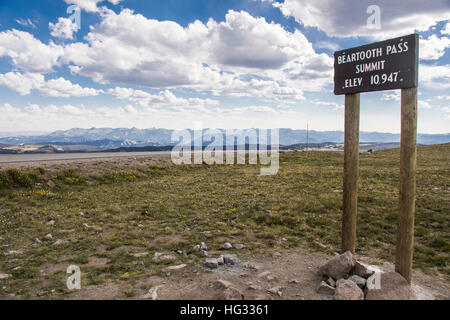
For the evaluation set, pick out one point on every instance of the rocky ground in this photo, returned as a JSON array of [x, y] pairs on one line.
[[292, 276]]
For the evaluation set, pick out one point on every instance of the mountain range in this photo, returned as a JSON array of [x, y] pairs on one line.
[[112, 138]]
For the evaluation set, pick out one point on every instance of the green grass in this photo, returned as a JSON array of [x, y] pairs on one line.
[[133, 206]]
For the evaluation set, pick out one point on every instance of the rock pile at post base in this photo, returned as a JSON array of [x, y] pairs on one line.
[[345, 278]]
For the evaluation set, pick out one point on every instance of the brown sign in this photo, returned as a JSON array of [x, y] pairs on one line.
[[386, 65]]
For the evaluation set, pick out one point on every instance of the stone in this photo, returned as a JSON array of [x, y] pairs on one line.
[[238, 246], [324, 288], [339, 266], [196, 247], [277, 254], [211, 263], [232, 294], [348, 290], [330, 281], [4, 276], [263, 274], [164, 257], [204, 253], [203, 246], [275, 290], [60, 242], [393, 287], [231, 259], [227, 246], [360, 281], [48, 236], [222, 284], [37, 240], [51, 222], [51, 184], [152, 293], [175, 268], [220, 260], [294, 281], [362, 270], [320, 245], [254, 287]]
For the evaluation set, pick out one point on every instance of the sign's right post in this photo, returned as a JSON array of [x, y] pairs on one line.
[[407, 191]]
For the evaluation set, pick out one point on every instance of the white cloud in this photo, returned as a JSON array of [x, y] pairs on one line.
[[395, 96], [24, 83], [89, 5], [349, 18], [327, 104], [63, 29], [164, 98], [433, 48], [28, 53], [210, 56], [435, 77], [26, 23]]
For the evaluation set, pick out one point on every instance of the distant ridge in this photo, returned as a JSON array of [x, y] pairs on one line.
[[110, 138]]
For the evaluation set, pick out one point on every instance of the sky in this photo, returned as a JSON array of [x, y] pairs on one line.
[[216, 63]]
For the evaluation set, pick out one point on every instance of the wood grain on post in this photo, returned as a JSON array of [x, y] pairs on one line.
[[351, 172], [407, 191]]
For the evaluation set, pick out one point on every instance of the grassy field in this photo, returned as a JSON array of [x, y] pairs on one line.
[[145, 208]]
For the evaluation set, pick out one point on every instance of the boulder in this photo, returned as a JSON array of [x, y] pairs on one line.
[[230, 259], [211, 263], [393, 287], [239, 246], [227, 246], [339, 266], [324, 288], [360, 281], [362, 270], [348, 290]]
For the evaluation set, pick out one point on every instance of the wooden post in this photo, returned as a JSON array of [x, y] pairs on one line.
[[407, 194], [351, 170]]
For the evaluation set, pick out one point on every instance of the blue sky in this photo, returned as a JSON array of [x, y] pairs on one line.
[[226, 64]]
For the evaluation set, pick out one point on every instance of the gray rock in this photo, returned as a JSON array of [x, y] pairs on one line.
[[348, 290], [360, 281], [51, 222], [324, 288], [239, 246], [362, 270], [204, 253], [222, 284], [211, 263], [60, 242], [164, 257], [339, 266], [4, 276], [227, 246], [393, 287], [276, 290], [220, 260], [203, 246], [231, 259], [254, 287], [196, 247]]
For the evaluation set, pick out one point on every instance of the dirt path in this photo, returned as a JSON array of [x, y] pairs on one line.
[[290, 276]]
